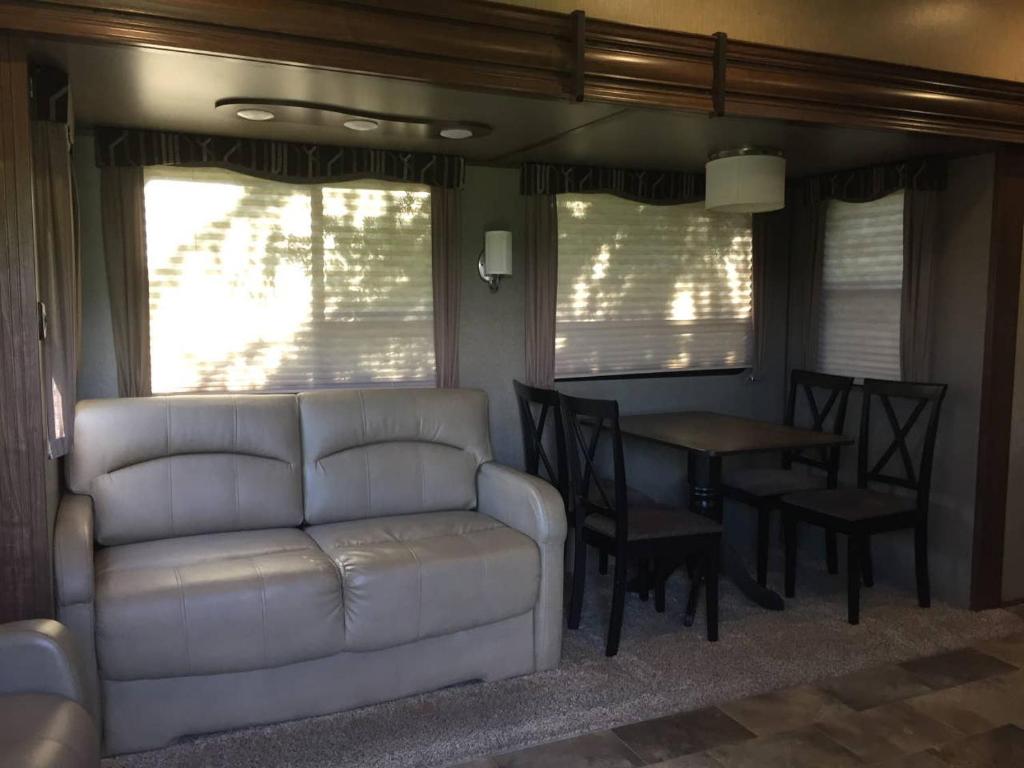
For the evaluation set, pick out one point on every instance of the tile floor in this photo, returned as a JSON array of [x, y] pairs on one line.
[[962, 709]]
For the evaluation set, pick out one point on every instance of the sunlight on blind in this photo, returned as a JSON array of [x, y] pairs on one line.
[[264, 285], [861, 289], [648, 288]]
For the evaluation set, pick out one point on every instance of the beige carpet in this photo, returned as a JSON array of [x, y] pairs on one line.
[[661, 668]]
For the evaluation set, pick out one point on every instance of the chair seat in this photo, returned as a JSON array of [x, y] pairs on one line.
[[634, 496], [767, 482], [215, 603], [43, 731], [850, 504], [408, 577], [655, 522]]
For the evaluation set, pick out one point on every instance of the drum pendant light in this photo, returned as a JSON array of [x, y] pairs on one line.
[[745, 180]]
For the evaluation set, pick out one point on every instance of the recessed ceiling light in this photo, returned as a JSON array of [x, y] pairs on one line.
[[258, 115], [361, 124], [456, 133]]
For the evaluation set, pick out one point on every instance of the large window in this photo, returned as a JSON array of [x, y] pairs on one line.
[[861, 289], [264, 285], [650, 289]]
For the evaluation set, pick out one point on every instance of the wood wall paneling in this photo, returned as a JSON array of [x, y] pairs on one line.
[[1007, 251], [25, 564]]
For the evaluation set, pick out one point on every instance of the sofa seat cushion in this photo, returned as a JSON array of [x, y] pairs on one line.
[[224, 602], [39, 730], [409, 577]]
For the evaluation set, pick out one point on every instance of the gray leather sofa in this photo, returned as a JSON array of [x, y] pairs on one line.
[[44, 722], [230, 561]]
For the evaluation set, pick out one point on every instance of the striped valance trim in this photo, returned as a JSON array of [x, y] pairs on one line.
[[643, 186], [862, 185], [277, 160]]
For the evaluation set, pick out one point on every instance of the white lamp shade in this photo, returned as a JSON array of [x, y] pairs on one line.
[[498, 252], [745, 183]]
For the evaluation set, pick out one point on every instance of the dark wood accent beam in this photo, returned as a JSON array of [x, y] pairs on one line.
[[25, 564], [765, 81], [997, 383]]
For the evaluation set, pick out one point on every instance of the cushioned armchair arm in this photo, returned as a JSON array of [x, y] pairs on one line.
[[523, 502], [39, 656], [535, 509], [73, 550]]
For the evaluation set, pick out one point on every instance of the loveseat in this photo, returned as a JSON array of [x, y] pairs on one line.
[[227, 561]]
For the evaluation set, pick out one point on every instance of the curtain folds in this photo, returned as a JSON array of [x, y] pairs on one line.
[[806, 212], [541, 288], [275, 160], [769, 241], [446, 274], [60, 278], [124, 244], [920, 218], [642, 186]]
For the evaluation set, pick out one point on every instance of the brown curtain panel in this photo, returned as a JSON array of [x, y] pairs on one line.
[[444, 233], [806, 211], [920, 218], [770, 241], [541, 288], [60, 277], [124, 243]]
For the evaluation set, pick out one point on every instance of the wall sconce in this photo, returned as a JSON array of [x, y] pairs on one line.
[[496, 258]]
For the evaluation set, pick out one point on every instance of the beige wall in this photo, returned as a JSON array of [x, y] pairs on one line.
[[980, 37]]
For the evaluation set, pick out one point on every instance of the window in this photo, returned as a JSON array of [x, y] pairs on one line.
[[271, 286], [650, 289], [861, 289]]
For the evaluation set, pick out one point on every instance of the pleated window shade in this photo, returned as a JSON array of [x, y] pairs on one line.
[[861, 289], [650, 289], [272, 286]]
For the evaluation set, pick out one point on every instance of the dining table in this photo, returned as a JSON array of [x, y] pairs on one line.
[[707, 438]]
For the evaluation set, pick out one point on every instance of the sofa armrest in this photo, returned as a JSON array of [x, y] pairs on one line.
[[523, 502], [534, 508], [39, 656], [73, 550]]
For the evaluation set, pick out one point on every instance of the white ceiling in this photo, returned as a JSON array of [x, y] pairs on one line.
[[167, 90]]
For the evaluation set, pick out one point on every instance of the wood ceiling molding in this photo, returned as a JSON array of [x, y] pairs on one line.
[[765, 81], [512, 49]]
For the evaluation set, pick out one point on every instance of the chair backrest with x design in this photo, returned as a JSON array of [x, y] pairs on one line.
[[903, 405], [587, 423], [539, 410], [826, 397]]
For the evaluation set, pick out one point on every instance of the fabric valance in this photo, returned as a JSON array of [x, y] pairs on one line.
[[278, 160], [640, 185], [862, 185]]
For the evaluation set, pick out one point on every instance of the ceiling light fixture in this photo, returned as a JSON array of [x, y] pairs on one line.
[[745, 180], [256, 115], [456, 133], [362, 124]]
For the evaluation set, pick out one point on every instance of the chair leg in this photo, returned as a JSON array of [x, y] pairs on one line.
[[924, 592], [694, 597], [831, 552], [579, 576], [602, 563], [866, 564], [660, 577], [764, 524], [853, 562], [618, 606], [645, 579], [789, 530], [711, 574]]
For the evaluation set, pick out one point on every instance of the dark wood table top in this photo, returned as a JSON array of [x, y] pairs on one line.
[[718, 434]]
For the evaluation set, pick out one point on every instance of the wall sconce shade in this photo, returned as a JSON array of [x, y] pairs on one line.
[[496, 257], [747, 180]]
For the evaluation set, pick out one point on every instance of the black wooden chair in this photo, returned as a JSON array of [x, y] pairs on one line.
[[538, 410], [826, 398], [607, 521], [862, 512]]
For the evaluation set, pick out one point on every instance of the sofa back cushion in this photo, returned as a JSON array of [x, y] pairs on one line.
[[161, 467], [368, 453]]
